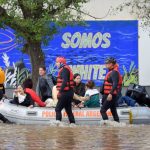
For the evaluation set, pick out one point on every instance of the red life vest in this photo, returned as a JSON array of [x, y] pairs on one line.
[[70, 83], [108, 86]]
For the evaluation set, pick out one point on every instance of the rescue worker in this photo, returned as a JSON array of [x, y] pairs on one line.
[[2, 80], [111, 88], [2, 93], [65, 86], [5, 120]]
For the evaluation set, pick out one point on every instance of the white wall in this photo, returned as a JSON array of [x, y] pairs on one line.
[[144, 57], [99, 9]]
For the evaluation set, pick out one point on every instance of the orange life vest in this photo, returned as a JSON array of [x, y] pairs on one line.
[[70, 83], [108, 86], [2, 78]]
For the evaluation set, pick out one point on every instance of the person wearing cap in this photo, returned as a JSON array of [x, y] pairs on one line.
[[111, 88], [2, 80], [65, 86]]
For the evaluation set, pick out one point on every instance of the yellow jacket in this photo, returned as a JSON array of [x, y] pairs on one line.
[[2, 76]]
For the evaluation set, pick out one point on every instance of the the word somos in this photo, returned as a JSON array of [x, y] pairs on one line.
[[86, 40]]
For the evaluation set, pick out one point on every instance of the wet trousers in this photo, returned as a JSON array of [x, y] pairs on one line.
[[5, 120], [1, 94], [109, 104], [64, 101]]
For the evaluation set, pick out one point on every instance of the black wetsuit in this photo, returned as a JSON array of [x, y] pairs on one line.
[[5, 120], [65, 98], [114, 79], [2, 92]]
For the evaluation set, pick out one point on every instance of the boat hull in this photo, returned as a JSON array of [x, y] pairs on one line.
[[85, 116]]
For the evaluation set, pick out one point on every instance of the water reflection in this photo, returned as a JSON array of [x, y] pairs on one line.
[[16, 137], [65, 138], [110, 138]]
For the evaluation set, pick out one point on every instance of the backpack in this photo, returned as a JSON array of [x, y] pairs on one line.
[[134, 88], [137, 92]]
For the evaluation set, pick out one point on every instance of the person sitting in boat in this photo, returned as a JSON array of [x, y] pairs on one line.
[[2, 80], [91, 98], [79, 88], [44, 85], [135, 96], [22, 98], [28, 85]]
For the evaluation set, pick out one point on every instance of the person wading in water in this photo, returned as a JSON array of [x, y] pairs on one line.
[[65, 86], [111, 88]]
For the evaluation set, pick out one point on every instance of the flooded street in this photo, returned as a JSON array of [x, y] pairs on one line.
[[16, 137]]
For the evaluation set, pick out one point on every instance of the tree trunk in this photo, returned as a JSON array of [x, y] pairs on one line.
[[36, 59]]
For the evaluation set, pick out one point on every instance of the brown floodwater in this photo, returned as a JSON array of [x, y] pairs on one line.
[[35, 137]]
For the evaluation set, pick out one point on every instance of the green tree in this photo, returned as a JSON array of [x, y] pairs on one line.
[[139, 8], [31, 20]]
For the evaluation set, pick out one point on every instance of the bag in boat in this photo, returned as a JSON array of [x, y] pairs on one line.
[[136, 89]]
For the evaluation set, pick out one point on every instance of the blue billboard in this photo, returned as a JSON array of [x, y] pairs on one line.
[[85, 47]]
